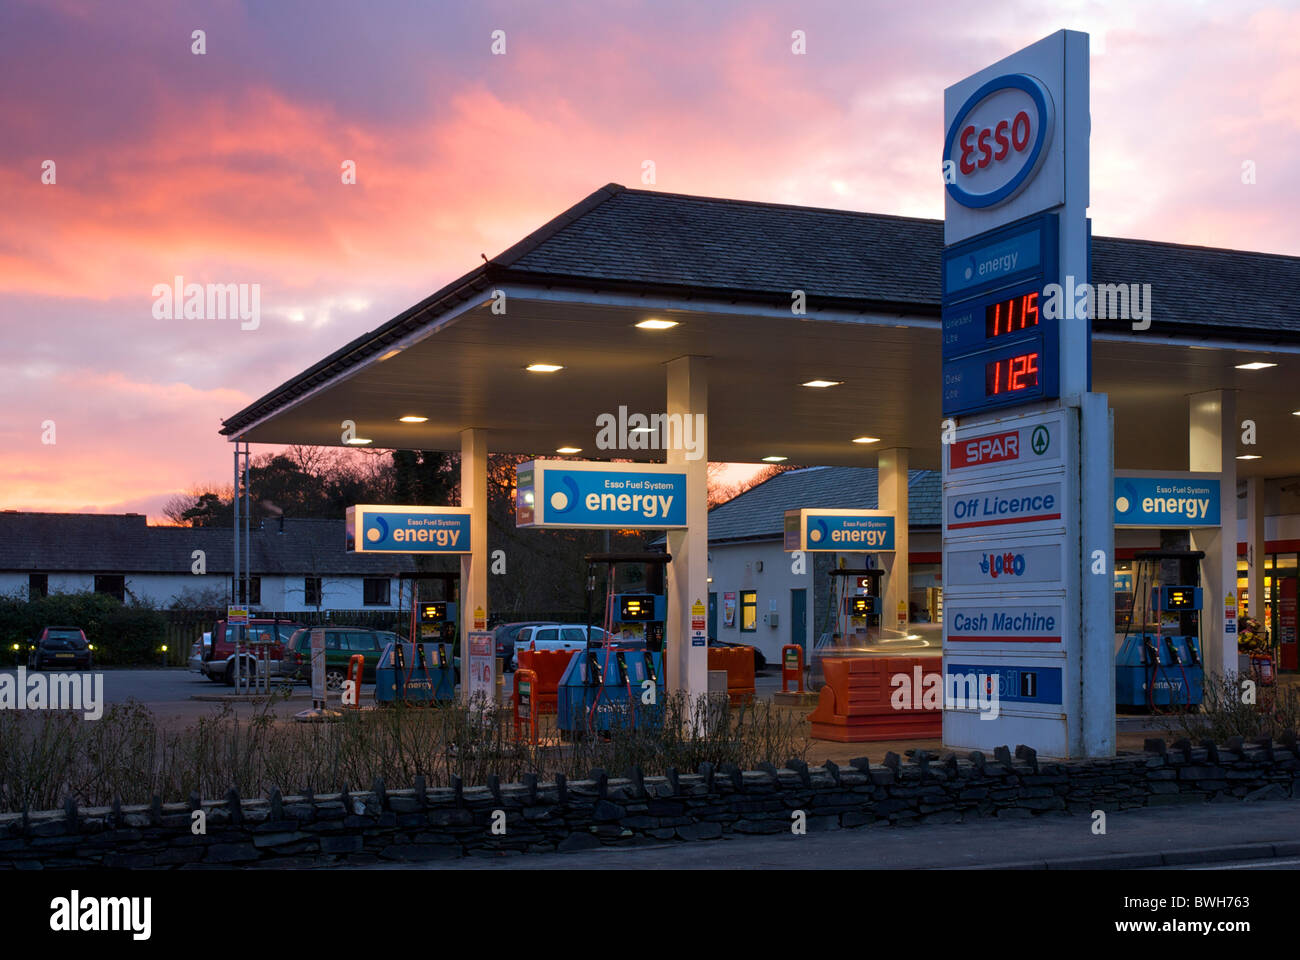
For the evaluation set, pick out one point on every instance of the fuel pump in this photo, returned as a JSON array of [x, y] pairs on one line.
[[856, 596], [1159, 666], [618, 680], [423, 668]]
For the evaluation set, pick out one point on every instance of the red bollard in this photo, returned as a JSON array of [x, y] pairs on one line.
[[791, 667], [356, 664], [525, 706]]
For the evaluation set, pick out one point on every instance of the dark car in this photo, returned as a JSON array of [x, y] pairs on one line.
[[341, 643], [61, 647], [760, 661], [505, 636]]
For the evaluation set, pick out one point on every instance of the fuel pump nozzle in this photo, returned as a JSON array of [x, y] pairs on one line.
[[1174, 658]]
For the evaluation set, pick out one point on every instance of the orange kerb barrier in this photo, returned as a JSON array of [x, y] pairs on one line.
[[739, 664], [548, 667], [854, 706]]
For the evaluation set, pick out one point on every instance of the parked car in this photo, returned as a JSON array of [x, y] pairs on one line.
[[341, 643], [507, 633], [61, 647], [760, 661], [557, 636], [197, 650], [219, 659]]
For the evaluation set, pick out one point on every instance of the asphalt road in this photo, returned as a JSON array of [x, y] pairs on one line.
[[169, 692], [1213, 836]]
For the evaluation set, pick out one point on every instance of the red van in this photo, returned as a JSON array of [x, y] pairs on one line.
[[219, 657]]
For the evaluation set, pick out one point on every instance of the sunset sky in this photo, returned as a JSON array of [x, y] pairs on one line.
[[225, 168]]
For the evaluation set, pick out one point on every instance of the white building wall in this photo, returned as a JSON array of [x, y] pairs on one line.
[[277, 592], [765, 568]]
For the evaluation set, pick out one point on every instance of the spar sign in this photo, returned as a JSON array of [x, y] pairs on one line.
[[425, 530], [846, 531]]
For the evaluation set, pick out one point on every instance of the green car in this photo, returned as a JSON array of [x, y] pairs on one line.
[[341, 644]]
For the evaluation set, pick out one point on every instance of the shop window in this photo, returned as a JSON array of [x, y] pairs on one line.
[[112, 584], [748, 611], [375, 591], [38, 585], [311, 591]]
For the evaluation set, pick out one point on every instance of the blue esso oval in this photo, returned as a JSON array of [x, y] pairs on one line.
[[998, 140]]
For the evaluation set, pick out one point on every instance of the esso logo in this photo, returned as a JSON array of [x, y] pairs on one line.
[[998, 140]]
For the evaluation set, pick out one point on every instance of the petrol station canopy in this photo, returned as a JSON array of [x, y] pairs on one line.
[[727, 272]]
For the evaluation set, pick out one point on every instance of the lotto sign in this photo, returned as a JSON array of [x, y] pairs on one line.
[[576, 495], [424, 530], [1005, 567], [846, 531]]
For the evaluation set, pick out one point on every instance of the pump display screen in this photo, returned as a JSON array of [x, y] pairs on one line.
[[1180, 598], [636, 607], [1011, 374], [433, 612], [861, 606], [1011, 316]]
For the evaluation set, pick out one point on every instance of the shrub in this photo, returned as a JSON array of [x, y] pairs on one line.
[[1226, 711], [122, 633], [47, 756]]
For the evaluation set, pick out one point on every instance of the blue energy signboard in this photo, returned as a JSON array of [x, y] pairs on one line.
[[1171, 501], [999, 348], [845, 531], [613, 496], [427, 530]]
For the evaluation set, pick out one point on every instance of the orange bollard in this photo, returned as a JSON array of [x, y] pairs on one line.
[[525, 706], [791, 667], [356, 664]]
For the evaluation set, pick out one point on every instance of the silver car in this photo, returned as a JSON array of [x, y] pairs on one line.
[[197, 649], [554, 636]]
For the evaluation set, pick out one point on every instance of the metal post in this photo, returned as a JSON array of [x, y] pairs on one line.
[[234, 576], [246, 567]]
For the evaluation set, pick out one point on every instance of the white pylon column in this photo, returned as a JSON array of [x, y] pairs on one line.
[[473, 565], [686, 665], [891, 495], [1212, 448]]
